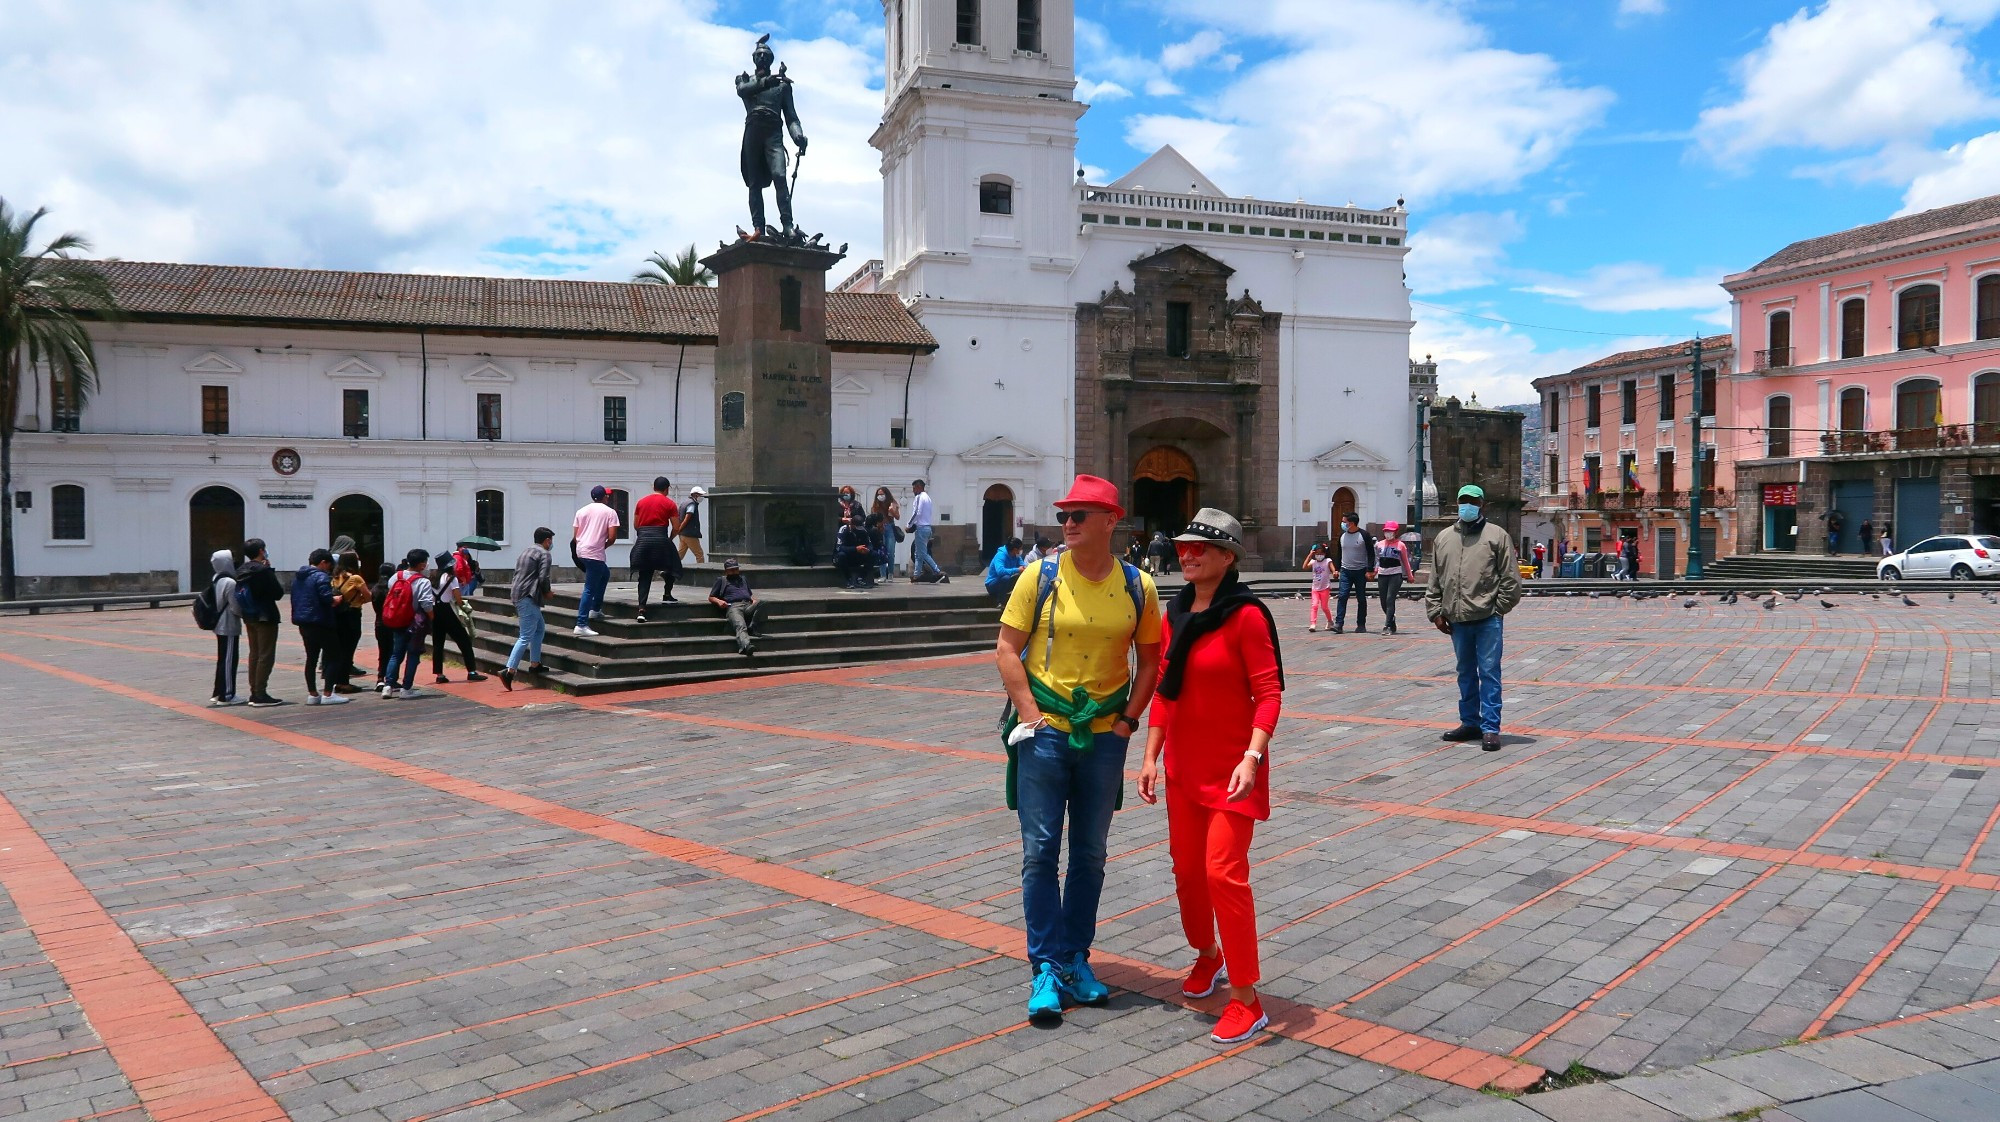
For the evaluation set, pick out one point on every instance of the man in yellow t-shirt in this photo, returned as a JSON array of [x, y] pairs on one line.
[[1068, 670]]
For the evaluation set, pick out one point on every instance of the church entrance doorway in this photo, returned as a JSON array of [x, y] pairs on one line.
[[996, 520], [215, 521], [360, 518], [1165, 489], [1345, 502]]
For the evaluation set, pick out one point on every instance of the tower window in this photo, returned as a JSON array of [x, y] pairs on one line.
[[996, 196], [1028, 26], [968, 23]]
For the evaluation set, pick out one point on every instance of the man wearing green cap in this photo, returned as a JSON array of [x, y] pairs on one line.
[[1474, 582]]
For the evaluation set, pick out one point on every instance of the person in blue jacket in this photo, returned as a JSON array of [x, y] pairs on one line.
[[1004, 570], [313, 604]]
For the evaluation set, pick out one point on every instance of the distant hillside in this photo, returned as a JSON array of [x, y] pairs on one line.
[[1531, 447]]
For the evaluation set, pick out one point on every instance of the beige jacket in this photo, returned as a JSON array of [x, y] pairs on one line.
[[1473, 576]]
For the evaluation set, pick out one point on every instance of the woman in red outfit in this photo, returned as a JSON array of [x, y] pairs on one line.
[[1209, 731]]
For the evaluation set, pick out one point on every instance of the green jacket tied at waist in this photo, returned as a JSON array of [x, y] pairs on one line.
[[1079, 709]]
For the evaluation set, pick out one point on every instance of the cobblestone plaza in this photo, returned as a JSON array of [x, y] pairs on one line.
[[1713, 833]]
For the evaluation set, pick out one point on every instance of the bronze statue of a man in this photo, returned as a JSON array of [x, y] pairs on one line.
[[768, 115]]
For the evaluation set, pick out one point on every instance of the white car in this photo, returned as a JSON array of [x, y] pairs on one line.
[[1947, 556]]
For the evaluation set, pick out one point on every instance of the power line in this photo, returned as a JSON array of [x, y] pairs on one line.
[[1542, 326]]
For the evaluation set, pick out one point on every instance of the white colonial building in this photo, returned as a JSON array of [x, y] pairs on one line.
[[1025, 325]]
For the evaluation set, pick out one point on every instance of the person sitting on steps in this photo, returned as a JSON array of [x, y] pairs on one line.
[[746, 613]]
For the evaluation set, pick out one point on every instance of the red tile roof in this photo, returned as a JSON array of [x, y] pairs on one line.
[[170, 293], [1715, 343], [1881, 233]]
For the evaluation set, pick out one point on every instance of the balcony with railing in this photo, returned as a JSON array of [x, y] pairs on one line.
[[1930, 438], [1776, 358], [1640, 500], [1183, 210]]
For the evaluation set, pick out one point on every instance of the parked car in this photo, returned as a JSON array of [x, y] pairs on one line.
[[1946, 556]]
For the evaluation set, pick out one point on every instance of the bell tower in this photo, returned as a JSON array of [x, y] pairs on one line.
[[978, 143]]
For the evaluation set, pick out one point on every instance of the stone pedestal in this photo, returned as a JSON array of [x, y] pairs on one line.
[[773, 500]]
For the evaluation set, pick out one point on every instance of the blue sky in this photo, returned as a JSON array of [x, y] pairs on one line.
[[1593, 165]]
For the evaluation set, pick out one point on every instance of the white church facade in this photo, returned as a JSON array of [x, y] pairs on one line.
[[1023, 325]]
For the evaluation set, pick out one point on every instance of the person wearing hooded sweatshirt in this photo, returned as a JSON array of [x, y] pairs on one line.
[[228, 628], [313, 606], [260, 626], [385, 636]]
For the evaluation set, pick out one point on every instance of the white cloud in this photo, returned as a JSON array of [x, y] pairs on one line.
[[1854, 73], [1089, 91], [1459, 251], [1205, 46], [449, 136], [1641, 7], [1499, 362], [1635, 286], [1206, 144], [1339, 117], [1966, 171]]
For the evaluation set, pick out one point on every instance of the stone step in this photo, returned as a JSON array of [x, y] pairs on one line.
[[576, 673], [615, 650]]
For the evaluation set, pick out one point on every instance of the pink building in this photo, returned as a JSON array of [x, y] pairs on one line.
[[1618, 446], [1866, 385]]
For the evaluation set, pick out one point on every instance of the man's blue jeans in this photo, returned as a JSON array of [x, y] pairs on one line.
[[1477, 645], [920, 554], [404, 656], [1052, 779], [1353, 582], [533, 627], [596, 574]]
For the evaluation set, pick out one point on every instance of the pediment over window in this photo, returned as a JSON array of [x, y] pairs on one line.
[[487, 372], [352, 369], [1184, 260], [1350, 456], [212, 363], [1000, 450], [616, 376], [849, 384]]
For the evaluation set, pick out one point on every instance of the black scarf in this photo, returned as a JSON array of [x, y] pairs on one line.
[[1189, 625]]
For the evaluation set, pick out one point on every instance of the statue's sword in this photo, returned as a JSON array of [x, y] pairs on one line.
[[798, 160]]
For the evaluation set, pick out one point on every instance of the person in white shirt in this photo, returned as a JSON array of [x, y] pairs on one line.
[[923, 517]]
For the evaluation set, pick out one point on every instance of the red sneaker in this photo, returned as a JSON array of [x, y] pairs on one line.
[[1202, 978], [1239, 1023]]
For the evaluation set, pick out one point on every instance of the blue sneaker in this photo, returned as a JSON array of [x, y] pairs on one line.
[[1045, 999], [1083, 985]]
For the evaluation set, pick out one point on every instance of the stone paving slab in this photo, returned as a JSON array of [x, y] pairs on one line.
[[402, 942]]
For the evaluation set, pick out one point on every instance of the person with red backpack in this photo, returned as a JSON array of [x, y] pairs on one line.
[[406, 610], [449, 624]]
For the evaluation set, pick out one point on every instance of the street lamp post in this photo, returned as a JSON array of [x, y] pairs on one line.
[[1694, 474], [1418, 497]]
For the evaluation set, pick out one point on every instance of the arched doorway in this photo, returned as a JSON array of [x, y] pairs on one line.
[[996, 519], [360, 518], [1164, 490], [1345, 502], [215, 521]]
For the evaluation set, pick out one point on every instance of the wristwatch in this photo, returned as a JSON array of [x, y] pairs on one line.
[[1125, 718]]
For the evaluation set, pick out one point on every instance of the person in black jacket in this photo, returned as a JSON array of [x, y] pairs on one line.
[[260, 586], [853, 556], [1354, 553]]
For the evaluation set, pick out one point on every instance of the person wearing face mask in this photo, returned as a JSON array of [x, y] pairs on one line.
[[1475, 581]]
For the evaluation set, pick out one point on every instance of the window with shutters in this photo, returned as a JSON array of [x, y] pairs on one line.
[[1666, 397], [489, 416], [1853, 328], [1917, 316], [354, 414], [215, 410], [614, 420], [1028, 26], [66, 513], [1988, 324], [1592, 398], [1778, 426]]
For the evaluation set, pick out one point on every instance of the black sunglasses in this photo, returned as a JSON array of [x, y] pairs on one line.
[[1076, 516]]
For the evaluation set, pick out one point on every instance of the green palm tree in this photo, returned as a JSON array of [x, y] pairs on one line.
[[45, 296], [684, 268]]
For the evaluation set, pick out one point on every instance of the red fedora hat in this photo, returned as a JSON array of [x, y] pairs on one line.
[[1090, 491]]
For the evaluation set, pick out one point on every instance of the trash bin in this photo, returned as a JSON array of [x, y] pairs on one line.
[[1593, 564], [1572, 565]]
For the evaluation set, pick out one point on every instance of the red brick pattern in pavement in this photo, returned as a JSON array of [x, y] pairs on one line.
[[1715, 831]]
